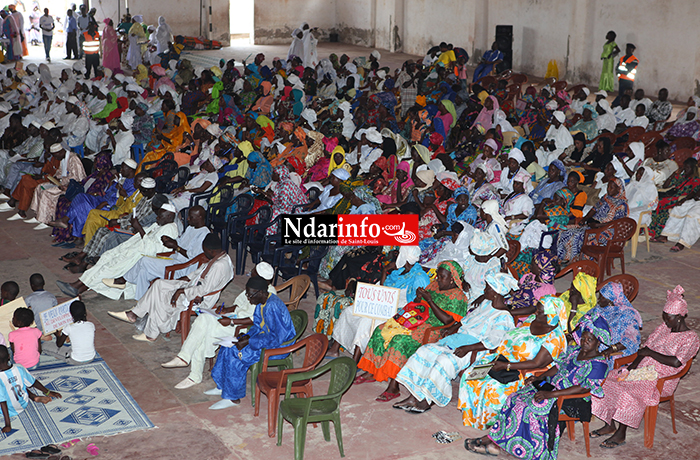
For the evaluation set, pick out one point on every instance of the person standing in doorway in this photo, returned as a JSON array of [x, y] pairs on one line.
[[83, 23], [610, 51], [627, 70], [47, 26], [91, 49], [71, 36]]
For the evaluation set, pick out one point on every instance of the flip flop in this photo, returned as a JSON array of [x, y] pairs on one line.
[[68, 266], [400, 406], [36, 454], [675, 249], [360, 380], [597, 434], [415, 410], [472, 448], [386, 396], [68, 245], [51, 449], [611, 444], [70, 255]]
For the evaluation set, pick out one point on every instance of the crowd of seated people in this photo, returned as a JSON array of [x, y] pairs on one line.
[[126, 170]]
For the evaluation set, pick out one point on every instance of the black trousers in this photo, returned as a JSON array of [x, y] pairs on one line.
[[624, 85], [72, 46], [91, 61]]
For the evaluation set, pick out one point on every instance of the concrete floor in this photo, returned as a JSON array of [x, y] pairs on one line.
[[371, 430]]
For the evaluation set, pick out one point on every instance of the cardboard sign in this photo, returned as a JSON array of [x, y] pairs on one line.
[[57, 317], [7, 311], [376, 302]]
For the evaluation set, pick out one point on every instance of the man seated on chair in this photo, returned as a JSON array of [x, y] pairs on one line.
[[187, 246], [202, 182], [165, 299], [272, 326], [205, 330]]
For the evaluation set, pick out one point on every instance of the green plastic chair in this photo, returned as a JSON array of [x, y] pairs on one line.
[[300, 320], [326, 408]]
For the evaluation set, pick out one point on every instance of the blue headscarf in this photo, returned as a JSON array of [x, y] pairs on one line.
[[262, 174]]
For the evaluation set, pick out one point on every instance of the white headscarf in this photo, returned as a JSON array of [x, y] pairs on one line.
[[490, 207], [408, 255]]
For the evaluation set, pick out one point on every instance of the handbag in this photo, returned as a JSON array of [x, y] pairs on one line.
[[413, 314], [74, 189], [504, 376]]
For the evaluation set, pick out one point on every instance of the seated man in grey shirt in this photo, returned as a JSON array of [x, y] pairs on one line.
[[39, 300]]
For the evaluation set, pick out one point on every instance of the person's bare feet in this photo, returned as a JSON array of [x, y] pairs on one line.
[[607, 429], [325, 286], [132, 316], [119, 280], [59, 223], [677, 248], [658, 239], [78, 268]]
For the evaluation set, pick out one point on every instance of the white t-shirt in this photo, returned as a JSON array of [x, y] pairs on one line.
[[46, 21], [82, 340]]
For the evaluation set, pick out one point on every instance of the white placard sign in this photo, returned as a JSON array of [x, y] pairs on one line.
[[57, 317], [376, 302]]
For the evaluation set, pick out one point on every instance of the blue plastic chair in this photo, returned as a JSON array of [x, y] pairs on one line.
[[79, 149], [137, 151]]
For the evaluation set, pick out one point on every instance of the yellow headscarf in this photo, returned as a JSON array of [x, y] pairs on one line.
[[141, 74], [335, 165], [246, 147], [586, 285]]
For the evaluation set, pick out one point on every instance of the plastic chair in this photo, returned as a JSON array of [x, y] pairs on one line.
[[637, 232], [559, 85], [272, 383], [217, 218], [298, 287], [680, 155], [623, 229], [570, 420], [630, 285], [293, 266], [302, 411], [137, 152], [233, 229], [511, 254], [300, 320], [185, 315], [684, 143], [79, 149], [651, 411], [586, 266]]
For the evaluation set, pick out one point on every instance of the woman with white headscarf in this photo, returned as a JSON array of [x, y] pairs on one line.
[[642, 195], [496, 224], [296, 48], [505, 185], [555, 141], [518, 206], [310, 55], [162, 36], [625, 167], [137, 38]]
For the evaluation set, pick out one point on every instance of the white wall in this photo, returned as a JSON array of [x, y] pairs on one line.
[[276, 19]]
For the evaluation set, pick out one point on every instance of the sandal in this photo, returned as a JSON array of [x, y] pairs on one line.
[[70, 255], [415, 410], [472, 447], [359, 380], [36, 454], [676, 249], [597, 434], [386, 396], [608, 444], [51, 449]]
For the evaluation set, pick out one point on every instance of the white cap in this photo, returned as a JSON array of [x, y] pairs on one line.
[[103, 89], [168, 207], [602, 93], [214, 129], [148, 182], [72, 100], [559, 115], [55, 148], [130, 163], [48, 125], [265, 271], [586, 91], [5, 107], [36, 124]]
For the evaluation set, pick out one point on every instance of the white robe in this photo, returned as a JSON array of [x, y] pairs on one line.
[[296, 48], [162, 316], [562, 139], [115, 262], [683, 224], [642, 196], [310, 54]]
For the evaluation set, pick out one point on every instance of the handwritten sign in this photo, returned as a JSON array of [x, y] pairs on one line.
[[376, 302], [57, 317]]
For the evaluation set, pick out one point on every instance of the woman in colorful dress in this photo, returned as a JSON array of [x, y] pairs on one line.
[[683, 182], [579, 299], [607, 74], [461, 211], [665, 352], [534, 345], [110, 50], [382, 361], [539, 282], [611, 207], [528, 424]]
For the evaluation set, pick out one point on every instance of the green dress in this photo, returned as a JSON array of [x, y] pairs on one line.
[[607, 76]]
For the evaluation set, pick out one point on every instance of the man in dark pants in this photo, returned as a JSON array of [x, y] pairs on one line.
[[71, 36], [91, 49], [626, 71]]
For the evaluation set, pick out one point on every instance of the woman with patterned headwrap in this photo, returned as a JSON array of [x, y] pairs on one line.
[[665, 352], [535, 285], [459, 211], [579, 299], [398, 190], [527, 426], [391, 344], [428, 374], [534, 345], [611, 207], [434, 209]]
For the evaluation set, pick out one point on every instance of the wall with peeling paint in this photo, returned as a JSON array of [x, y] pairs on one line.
[[275, 20]]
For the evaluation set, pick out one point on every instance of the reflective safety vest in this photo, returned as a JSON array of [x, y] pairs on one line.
[[91, 45], [622, 67]]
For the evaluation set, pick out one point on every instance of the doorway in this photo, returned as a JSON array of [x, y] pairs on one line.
[[242, 22]]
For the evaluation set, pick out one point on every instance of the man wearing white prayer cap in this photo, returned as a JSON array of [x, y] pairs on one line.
[[200, 342], [77, 129], [367, 153], [555, 141], [123, 139], [606, 120], [204, 181]]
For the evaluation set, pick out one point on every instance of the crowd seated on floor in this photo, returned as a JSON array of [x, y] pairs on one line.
[[153, 180]]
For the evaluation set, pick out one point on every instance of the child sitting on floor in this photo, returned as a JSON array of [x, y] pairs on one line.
[[81, 334], [39, 300], [8, 292], [14, 396], [25, 341]]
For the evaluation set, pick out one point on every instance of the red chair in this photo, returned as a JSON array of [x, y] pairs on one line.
[[560, 85], [680, 155], [623, 229], [684, 143], [651, 411], [519, 78], [585, 266], [274, 383], [574, 89], [511, 254], [630, 285], [649, 140]]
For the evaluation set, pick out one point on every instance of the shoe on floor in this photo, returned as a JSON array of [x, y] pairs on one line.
[[41, 226], [213, 392], [187, 383], [4, 197], [142, 338], [31, 221], [120, 315], [175, 362], [223, 404], [15, 217], [109, 282], [67, 289], [5, 207]]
